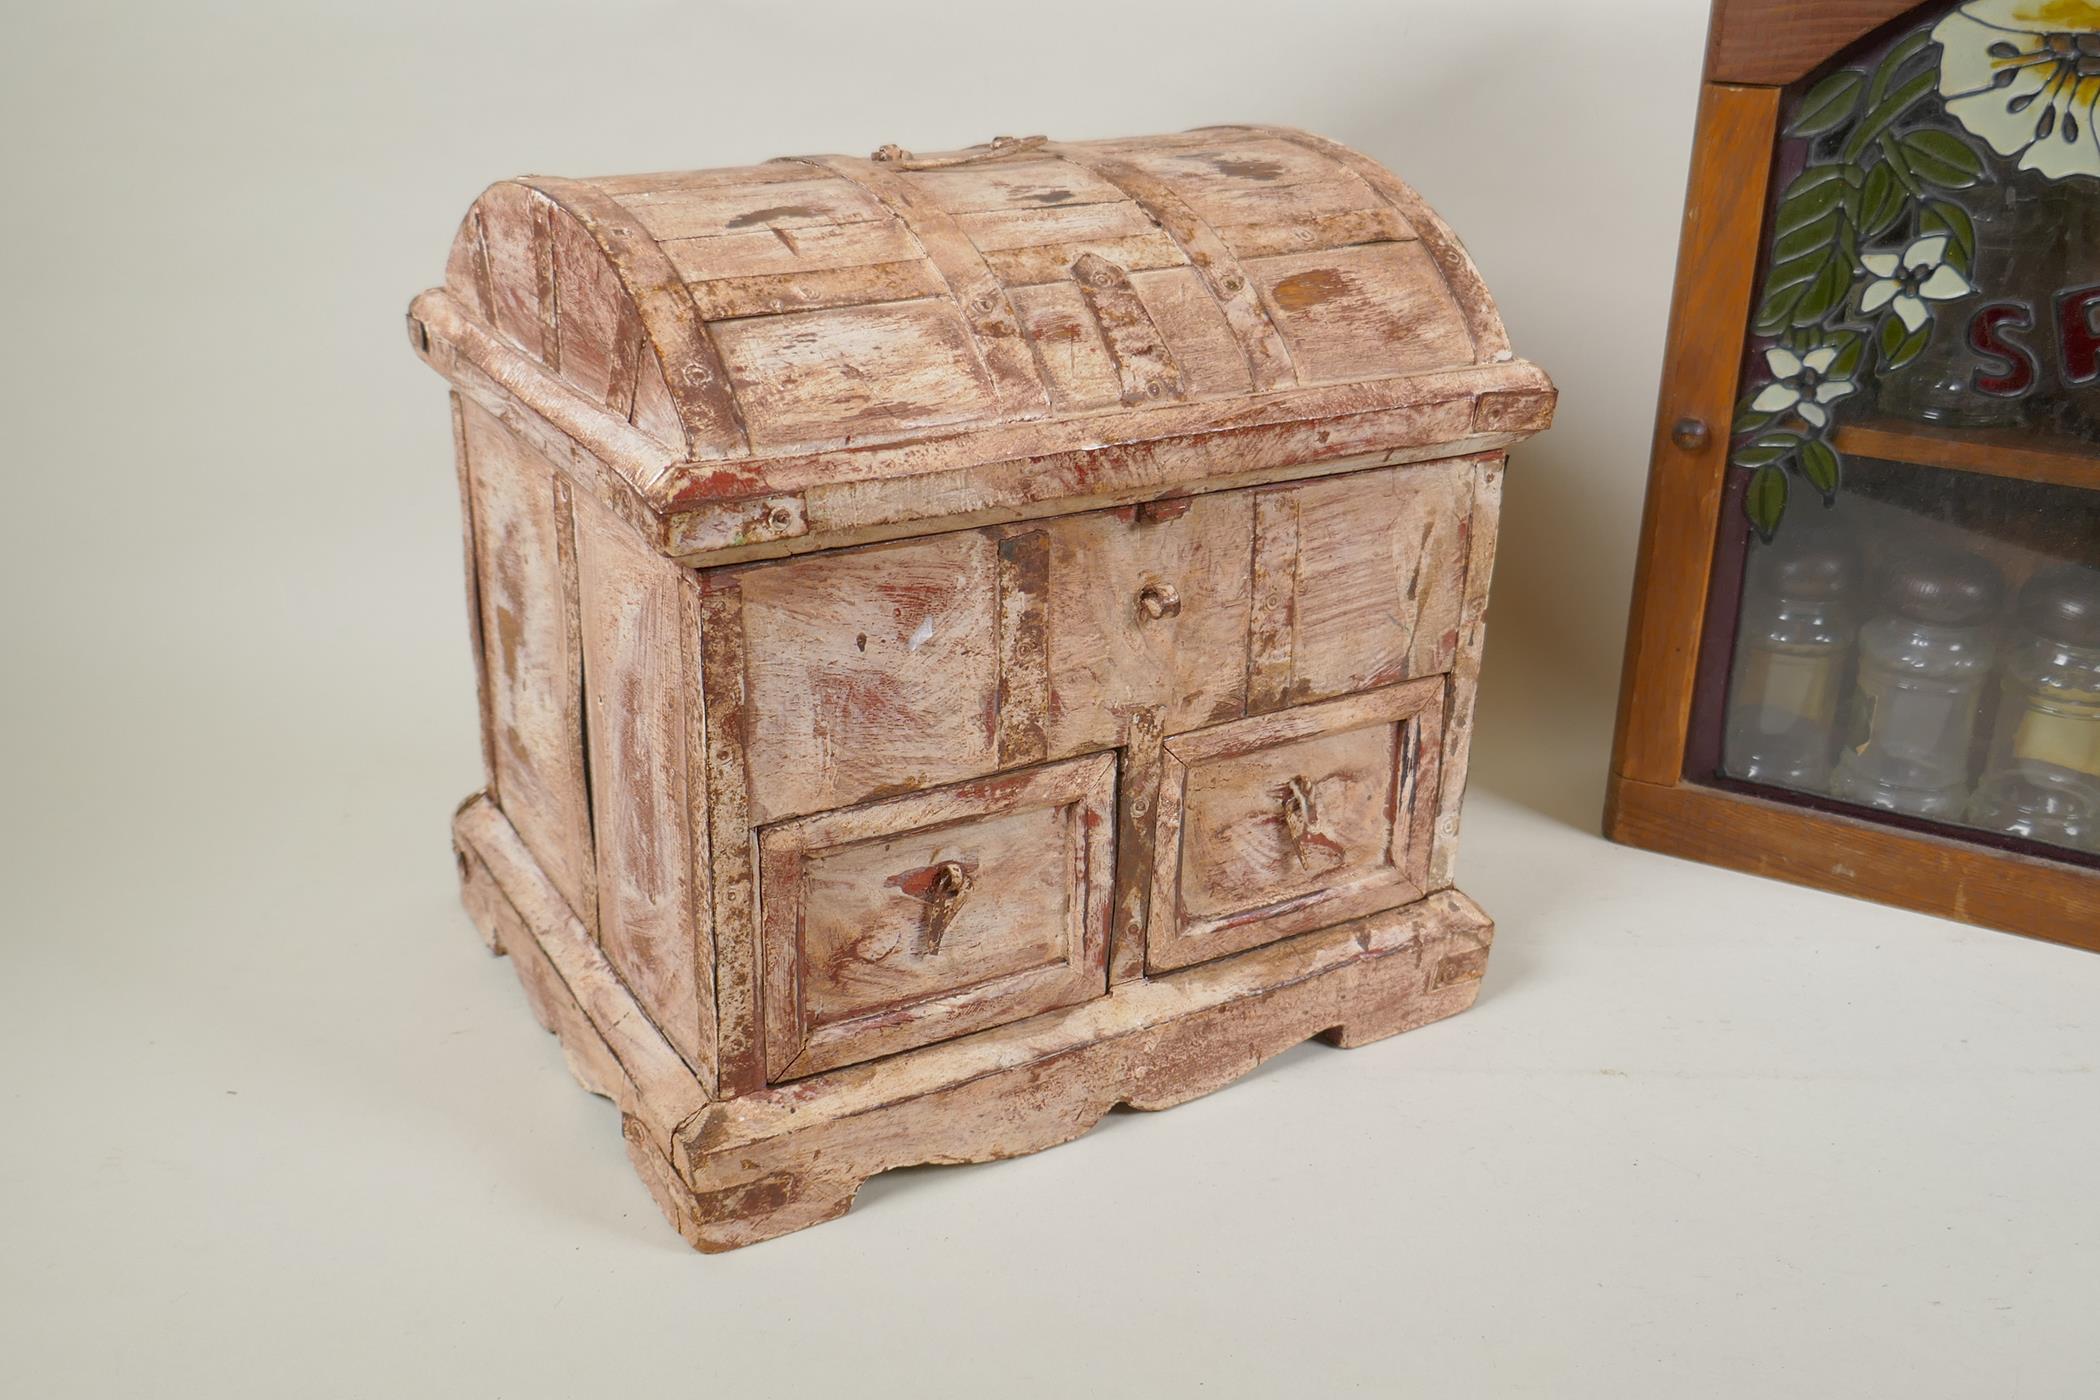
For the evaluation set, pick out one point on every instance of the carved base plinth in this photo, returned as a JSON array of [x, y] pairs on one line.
[[734, 1172]]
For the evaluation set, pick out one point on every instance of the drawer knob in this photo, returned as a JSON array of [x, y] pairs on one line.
[[1158, 600], [944, 897]]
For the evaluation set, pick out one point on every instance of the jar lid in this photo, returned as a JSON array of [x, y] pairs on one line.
[[1814, 565], [2062, 602], [1949, 588]]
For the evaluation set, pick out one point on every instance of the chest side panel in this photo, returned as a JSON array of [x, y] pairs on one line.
[[645, 803], [525, 561]]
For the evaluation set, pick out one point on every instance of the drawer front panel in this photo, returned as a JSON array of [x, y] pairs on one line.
[[1358, 581], [1263, 827], [926, 917], [870, 671], [1147, 611], [1292, 821]]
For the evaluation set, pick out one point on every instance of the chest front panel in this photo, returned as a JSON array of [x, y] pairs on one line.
[[1234, 702], [1294, 821], [1357, 581]]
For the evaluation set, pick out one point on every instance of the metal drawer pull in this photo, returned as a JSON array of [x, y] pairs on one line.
[[944, 897], [1299, 820], [1158, 600]]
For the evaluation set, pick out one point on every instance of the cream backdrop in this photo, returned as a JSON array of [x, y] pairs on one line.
[[276, 1126]]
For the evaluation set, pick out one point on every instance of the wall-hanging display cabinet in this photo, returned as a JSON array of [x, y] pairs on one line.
[[1865, 644]]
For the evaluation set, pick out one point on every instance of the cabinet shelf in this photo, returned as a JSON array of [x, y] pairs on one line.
[[2024, 454]]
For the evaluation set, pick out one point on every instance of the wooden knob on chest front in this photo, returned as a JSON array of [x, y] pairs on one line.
[[1158, 600]]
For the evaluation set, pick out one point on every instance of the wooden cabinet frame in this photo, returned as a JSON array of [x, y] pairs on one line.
[[1756, 48]]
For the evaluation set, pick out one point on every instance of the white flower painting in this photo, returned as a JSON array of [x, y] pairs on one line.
[[1801, 384], [2025, 76], [1905, 281]]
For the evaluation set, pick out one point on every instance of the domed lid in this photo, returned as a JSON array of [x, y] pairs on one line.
[[777, 358], [1949, 588], [2062, 602]]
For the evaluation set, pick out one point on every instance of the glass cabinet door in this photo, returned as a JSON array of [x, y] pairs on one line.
[[1905, 614]]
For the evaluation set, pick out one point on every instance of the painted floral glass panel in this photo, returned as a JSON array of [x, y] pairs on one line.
[[1905, 619]]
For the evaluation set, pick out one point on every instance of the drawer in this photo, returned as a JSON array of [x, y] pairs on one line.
[[1293, 821], [1358, 581], [870, 671], [926, 917], [1143, 609]]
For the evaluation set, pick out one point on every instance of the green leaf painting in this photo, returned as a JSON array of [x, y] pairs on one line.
[[1766, 500], [1899, 346], [1867, 242], [1829, 105], [1820, 465], [1882, 202], [1945, 216], [1942, 158]]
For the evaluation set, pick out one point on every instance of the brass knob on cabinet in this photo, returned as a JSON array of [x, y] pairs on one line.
[[1158, 600], [1691, 434]]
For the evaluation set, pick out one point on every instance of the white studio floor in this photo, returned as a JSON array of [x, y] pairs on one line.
[[1702, 1135]]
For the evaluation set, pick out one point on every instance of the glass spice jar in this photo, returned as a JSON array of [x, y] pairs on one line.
[[1923, 665], [2042, 776], [1792, 663]]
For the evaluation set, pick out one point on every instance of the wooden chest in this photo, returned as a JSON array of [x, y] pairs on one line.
[[968, 641]]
